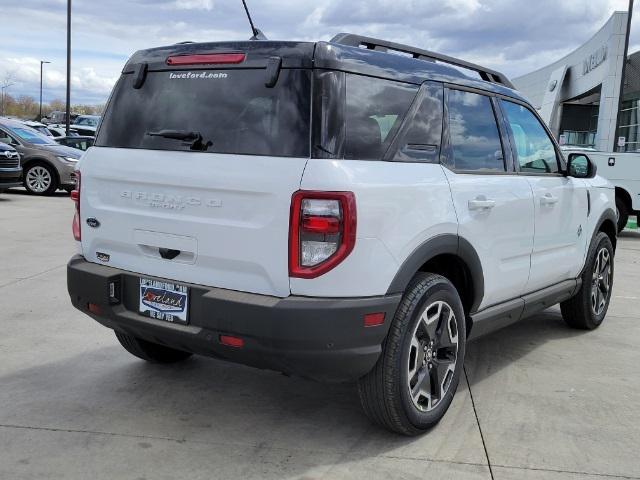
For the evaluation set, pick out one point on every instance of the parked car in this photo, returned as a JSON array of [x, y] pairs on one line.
[[58, 117], [332, 210], [46, 165], [79, 142], [37, 126], [57, 130], [10, 169], [86, 124], [623, 171]]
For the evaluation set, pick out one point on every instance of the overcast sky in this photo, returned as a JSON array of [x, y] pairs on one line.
[[515, 36]]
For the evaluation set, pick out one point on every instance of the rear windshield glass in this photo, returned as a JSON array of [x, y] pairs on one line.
[[232, 110]]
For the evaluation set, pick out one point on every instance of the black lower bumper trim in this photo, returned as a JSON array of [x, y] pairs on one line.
[[319, 338]]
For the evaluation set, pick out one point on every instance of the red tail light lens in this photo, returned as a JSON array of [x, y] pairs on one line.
[[206, 59], [75, 196], [322, 231], [373, 319], [231, 341]]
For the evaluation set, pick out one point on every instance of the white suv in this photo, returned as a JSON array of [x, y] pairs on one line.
[[332, 210]]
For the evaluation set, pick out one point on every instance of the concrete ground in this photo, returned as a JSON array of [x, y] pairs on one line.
[[542, 401]]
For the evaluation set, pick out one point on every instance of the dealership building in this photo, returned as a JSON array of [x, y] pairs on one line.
[[583, 97]]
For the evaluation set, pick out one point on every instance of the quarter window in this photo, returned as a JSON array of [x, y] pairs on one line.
[[375, 110], [474, 136], [534, 148]]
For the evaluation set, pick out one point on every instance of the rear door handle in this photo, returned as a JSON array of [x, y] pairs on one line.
[[481, 203], [548, 199]]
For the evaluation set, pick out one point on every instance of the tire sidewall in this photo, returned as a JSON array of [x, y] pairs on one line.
[[601, 241], [622, 215], [443, 290]]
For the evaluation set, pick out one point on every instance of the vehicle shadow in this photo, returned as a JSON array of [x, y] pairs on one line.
[[23, 191], [514, 342], [218, 403]]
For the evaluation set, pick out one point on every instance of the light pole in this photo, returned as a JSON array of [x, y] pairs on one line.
[[3, 88], [68, 115], [42, 62]]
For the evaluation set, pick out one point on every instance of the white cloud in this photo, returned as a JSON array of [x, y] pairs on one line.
[[516, 36], [193, 4]]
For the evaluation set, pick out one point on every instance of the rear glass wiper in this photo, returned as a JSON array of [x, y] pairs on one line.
[[195, 138]]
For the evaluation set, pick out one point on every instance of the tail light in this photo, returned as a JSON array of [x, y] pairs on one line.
[[322, 231], [75, 196]]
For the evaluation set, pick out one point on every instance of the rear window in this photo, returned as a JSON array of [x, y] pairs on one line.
[[232, 110]]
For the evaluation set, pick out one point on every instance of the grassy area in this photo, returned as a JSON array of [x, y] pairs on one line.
[[632, 223]]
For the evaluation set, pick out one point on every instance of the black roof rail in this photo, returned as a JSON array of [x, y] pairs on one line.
[[354, 40]]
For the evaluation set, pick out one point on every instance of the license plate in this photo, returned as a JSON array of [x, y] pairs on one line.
[[164, 300]]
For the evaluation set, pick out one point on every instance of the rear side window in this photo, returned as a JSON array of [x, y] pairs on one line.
[[232, 110], [375, 109], [474, 136], [535, 150]]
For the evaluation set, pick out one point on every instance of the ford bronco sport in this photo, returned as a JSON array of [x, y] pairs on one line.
[[352, 210]]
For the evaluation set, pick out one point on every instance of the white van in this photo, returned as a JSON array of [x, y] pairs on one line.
[[623, 171]]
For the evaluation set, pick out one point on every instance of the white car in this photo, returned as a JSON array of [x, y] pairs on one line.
[[623, 171], [335, 211]]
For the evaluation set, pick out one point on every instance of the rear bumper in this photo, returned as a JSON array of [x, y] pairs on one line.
[[319, 338]]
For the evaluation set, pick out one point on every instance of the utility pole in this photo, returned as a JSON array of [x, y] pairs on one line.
[[4, 87], [68, 113], [42, 62]]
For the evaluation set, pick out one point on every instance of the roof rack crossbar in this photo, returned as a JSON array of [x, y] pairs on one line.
[[370, 43]]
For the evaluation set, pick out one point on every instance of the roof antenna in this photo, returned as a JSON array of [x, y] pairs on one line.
[[257, 34]]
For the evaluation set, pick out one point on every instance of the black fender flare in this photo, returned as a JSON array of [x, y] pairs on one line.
[[441, 244], [608, 214]]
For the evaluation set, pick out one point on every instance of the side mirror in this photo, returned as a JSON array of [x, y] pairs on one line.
[[580, 166]]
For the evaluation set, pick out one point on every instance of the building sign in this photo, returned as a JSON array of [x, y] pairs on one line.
[[594, 60]]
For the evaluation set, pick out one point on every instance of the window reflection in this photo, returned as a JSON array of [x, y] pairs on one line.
[[475, 140]]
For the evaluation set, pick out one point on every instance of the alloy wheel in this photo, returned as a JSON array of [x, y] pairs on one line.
[[433, 354], [38, 179], [601, 283]]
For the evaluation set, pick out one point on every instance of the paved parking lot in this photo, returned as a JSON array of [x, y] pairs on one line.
[[542, 401]]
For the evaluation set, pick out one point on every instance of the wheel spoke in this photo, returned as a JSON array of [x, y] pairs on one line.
[[414, 359], [422, 388], [604, 265], [447, 331], [430, 320], [603, 298]]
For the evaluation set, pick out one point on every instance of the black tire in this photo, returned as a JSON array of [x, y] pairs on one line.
[[32, 188], [151, 352], [579, 311], [622, 212], [385, 391]]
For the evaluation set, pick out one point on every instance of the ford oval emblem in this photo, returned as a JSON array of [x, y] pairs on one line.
[[93, 222]]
